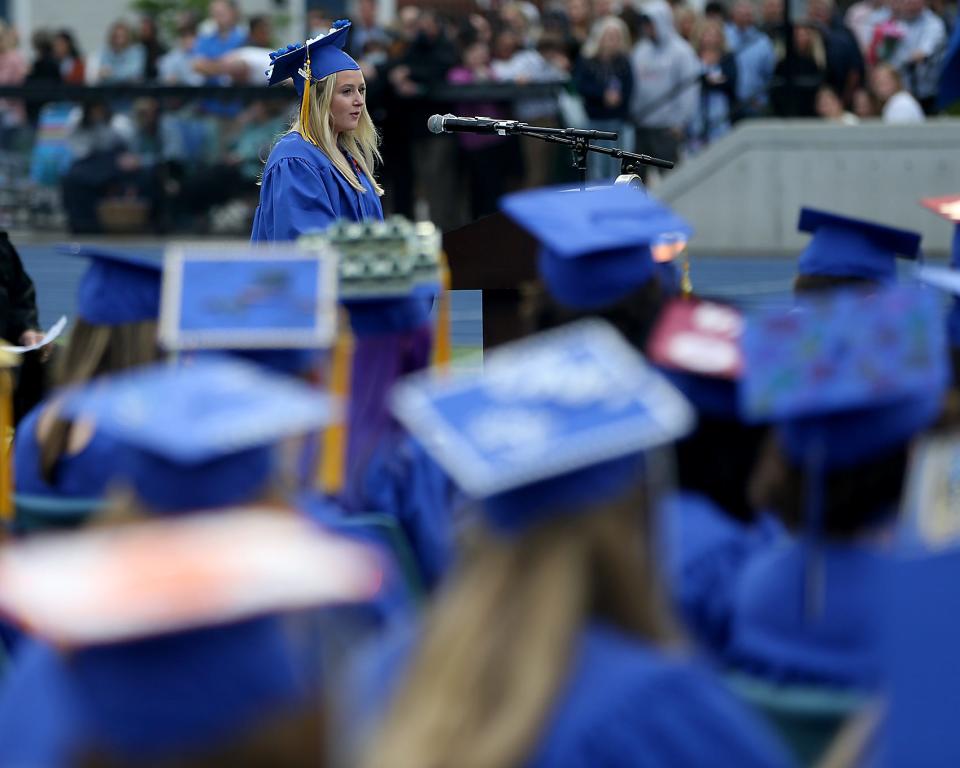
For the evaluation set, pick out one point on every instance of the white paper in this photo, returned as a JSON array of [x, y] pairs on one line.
[[49, 337]]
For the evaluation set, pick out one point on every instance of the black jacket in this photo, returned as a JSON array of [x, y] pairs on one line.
[[18, 299]]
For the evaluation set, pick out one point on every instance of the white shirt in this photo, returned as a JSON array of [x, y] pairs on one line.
[[902, 108]]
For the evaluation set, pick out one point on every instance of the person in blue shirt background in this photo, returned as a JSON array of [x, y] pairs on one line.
[[322, 169]]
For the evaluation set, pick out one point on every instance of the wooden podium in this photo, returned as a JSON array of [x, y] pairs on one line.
[[496, 256]]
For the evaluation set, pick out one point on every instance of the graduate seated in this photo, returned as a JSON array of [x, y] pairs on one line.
[[848, 380], [59, 458], [550, 643], [708, 527], [164, 642], [849, 252]]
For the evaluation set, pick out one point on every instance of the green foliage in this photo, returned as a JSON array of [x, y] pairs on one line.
[[166, 12]]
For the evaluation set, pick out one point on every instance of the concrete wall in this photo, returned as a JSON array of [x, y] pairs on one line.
[[744, 193]]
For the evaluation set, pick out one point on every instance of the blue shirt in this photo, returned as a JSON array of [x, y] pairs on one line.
[[756, 60], [302, 192], [704, 552], [804, 616]]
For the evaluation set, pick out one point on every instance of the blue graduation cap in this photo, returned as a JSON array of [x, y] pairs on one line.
[[842, 246], [117, 288], [947, 207], [847, 376], [553, 422], [595, 245], [324, 55], [200, 436]]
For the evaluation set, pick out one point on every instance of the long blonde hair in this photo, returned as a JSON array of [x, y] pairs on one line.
[[500, 638], [361, 142]]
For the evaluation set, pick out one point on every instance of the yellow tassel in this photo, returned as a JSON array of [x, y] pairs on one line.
[[442, 348], [305, 104], [6, 445], [333, 455], [686, 284]]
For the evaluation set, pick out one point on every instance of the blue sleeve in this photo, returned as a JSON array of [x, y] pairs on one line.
[[696, 722], [295, 197]]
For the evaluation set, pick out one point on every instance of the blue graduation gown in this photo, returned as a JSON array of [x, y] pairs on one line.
[[623, 704], [703, 552], [82, 475], [148, 698], [784, 631], [302, 191]]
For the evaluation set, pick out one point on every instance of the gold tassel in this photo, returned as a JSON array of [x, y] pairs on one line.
[[6, 440], [305, 104], [686, 284], [333, 449], [442, 348]]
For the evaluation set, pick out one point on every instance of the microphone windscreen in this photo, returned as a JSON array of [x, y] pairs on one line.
[[435, 124]]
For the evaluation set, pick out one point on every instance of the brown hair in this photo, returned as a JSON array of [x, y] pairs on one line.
[[853, 498], [95, 350], [498, 642]]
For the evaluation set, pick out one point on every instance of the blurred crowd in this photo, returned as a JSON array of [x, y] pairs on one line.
[[668, 77]]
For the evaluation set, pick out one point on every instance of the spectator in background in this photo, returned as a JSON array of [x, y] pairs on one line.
[[153, 48], [864, 107], [226, 36], [247, 63], [45, 70], [718, 89], [13, 71], [484, 155], [65, 51], [666, 84], [176, 66], [829, 107], [365, 28], [603, 77], [580, 18], [686, 21], [771, 18], [809, 73], [897, 104], [862, 17], [917, 56], [755, 58], [121, 60], [717, 10], [844, 62]]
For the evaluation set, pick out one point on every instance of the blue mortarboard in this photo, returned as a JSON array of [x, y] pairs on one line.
[[117, 288], [200, 436], [848, 376], [553, 422], [845, 247], [595, 245], [326, 57]]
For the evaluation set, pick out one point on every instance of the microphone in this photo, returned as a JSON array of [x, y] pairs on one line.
[[452, 124]]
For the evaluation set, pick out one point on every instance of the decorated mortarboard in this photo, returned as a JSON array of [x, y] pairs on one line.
[[848, 375], [112, 584], [553, 422], [842, 246], [595, 246], [314, 60], [200, 435], [309, 63], [274, 305], [170, 624], [389, 271], [117, 288], [697, 344]]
